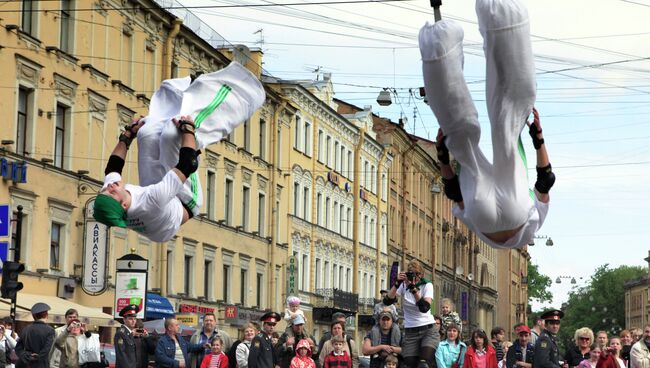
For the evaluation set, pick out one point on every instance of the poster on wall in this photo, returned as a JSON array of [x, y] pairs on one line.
[[130, 288]]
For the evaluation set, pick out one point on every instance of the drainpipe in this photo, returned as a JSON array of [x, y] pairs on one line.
[[275, 124], [380, 193], [357, 207], [167, 53]]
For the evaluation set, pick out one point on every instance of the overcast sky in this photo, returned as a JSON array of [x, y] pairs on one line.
[[593, 96]]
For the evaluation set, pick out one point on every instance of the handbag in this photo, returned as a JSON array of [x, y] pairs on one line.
[[455, 364], [88, 349]]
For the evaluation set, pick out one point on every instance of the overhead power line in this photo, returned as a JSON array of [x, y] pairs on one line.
[[343, 2]]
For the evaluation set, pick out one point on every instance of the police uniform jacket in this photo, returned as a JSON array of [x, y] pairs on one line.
[[262, 353], [125, 348], [36, 338], [547, 354]]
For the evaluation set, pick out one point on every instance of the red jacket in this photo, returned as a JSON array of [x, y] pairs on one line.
[[223, 360], [608, 361], [470, 358], [338, 361]]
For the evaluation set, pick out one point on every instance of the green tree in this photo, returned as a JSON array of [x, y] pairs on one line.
[[599, 305], [538, 285]]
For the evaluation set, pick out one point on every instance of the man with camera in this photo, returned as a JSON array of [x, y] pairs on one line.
[[547, 354], [420, 338], [126, 353]]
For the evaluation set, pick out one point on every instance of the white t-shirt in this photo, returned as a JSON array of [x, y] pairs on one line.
[[155, 212], [536, 216], [412, 315]]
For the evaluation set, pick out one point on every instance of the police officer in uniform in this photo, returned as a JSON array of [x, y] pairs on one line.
[[124, 340], [547, 354], [262, 353]]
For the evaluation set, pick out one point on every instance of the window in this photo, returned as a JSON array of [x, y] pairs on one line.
[[278, 156], [337, 158], [65, 32], [261, 214], [342, 227], [207, 279], [187, 269], [247, 135], [29, 17], [350, 166], [296, 198], [228, 202], [260, 288], [336, 217], [373, 176], [320, 145], [305, 204], [209, 198], [298, 132], [328, 158], [242, 286], [349, 217], [342, 158], [317, 274], [170, 272], [366, 175], [335, 272], [22, 120], [341, 280], [326, 275], [262, 142], [349, 277], [304, 283], [307, 140], [226, 283], [246, 192], [55, 245], [327, 212], [365, 230], [372, 233], [59, 134], [319, 209]]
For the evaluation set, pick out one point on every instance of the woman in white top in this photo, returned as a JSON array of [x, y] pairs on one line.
[[244, 347], [420, 338]]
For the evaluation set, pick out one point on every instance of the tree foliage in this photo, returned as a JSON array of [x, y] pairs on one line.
[[538, 285], [599, 305]]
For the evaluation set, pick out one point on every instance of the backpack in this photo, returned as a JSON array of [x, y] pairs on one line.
[[232, 354]]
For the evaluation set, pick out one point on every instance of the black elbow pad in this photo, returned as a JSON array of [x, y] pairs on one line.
[[388, 301], [115, 164], [187, 162], [452, 189], [423, 305], [545, 179]]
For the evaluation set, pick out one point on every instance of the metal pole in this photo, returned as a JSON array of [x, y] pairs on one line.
[[19, 234], [19, 231], [435, 4]]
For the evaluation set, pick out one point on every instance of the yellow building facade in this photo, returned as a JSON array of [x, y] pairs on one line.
[[71, 81]]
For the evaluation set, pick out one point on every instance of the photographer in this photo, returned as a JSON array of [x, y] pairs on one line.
[[420, 338]]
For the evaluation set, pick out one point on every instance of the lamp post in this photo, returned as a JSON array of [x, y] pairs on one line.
[[549, 241]]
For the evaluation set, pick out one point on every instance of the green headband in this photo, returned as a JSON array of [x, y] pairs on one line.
[[109, 211]]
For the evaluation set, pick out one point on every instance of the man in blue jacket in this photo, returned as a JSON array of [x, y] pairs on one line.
[[522, 352], [172, 350]]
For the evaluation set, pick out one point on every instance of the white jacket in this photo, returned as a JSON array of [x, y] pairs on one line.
[[640, 355]]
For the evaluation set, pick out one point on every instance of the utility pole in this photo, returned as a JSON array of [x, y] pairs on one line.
[[19, 232], [11, 270]]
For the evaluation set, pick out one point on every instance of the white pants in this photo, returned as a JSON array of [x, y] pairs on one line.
[[218, 102], [496, 195]]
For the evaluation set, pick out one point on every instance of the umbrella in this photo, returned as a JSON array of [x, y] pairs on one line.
[[158, 326]]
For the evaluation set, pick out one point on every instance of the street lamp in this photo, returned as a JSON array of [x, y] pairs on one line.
[[384, 98], [549, 241]]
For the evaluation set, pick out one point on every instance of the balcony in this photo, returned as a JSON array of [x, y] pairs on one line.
[[337, 299]]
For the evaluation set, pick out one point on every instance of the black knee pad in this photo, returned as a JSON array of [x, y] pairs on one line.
[[187, 162], [545, 179], [452, 189]]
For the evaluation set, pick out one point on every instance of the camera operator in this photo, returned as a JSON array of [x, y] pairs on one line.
[[420, 338]]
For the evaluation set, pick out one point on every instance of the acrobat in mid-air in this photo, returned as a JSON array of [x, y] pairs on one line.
[[184, 117], [492, 199]]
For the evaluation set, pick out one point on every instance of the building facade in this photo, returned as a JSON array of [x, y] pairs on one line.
[[637, 301], [71, 83], [512, 276]]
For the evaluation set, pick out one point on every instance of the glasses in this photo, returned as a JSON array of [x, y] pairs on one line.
[[75, 325], [584, 338]]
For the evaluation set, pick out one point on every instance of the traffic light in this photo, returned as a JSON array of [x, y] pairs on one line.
[[10, 285]]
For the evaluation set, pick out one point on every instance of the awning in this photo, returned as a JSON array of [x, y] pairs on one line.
[[158, 307], [88, 315]]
